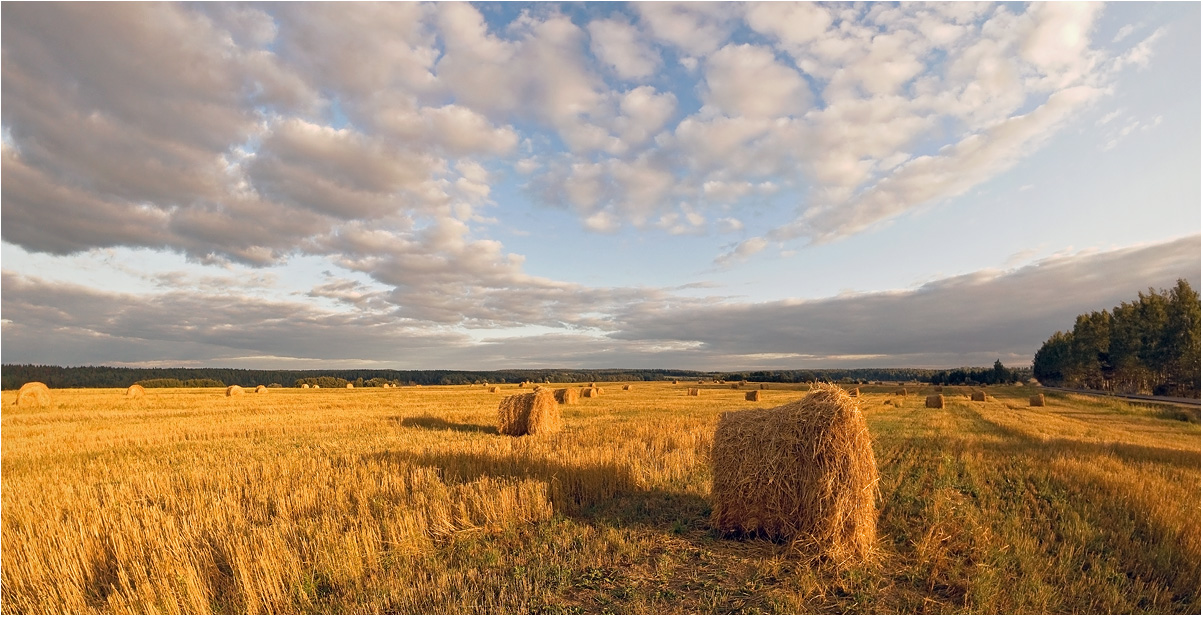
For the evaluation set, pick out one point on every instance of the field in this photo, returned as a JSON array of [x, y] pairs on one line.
[[407, 500]]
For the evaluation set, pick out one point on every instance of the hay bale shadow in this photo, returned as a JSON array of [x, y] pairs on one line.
[[438, 424]]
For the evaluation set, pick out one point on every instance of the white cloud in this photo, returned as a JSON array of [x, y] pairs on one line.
[[619, 45], [746, 80], [697, 28]]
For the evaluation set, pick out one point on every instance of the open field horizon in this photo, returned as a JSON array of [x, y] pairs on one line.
[[407, 500]]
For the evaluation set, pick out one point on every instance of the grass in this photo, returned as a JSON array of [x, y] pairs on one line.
[[407, 500]]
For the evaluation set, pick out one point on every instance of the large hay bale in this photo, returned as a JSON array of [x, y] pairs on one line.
[[260, 389], [754, 395], [693, 392], [802, 472], [533, 413], [854, 392], [590, 392], [494, 389], [935, 401], [135, 391], [305, 385], [234, 391], [1037, 400], [33, 394], [978, 396], [568, 396]]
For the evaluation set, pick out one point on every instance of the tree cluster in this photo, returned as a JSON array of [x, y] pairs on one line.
[[1147, 346], [967, 376]]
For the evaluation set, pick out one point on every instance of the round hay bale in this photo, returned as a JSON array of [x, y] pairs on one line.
[[494, 389], [939, 388], [533, 413], [900, 392], [33, 394], [590, 392], [802, 472], [1037, 400], [316, 386], [305, 386], [135, 391], [260, 389], [935, 401], [568, 396], [978, 396], [754, 395], [854, 392], [693, 392], [762, 387], [675, 382], [734, 386], [350, 386], [701, 381], [592, 384], [626, 387], [234, 391], [743, 382]]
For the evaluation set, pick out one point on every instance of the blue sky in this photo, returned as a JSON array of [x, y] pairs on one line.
[[588, 185]]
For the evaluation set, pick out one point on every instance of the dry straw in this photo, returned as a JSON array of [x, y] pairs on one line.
[[568, 396], [978, 396], [754, 395], [693, 392], [33, 394], [802, 472], [135, 391], [260, 389], [533, 413], [854, 392], [1037, 400], [234, 391], [935, 401]]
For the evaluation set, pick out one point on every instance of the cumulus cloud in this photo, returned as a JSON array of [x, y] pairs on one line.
[[620, 46]]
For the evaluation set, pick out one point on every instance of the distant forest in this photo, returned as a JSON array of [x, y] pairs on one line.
[[14, 375], [1147, 346]]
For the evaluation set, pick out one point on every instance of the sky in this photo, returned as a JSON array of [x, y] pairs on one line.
[[480, 186]]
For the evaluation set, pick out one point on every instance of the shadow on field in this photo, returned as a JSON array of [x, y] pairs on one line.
[[1018, 441], [592, 492], [438, 424]]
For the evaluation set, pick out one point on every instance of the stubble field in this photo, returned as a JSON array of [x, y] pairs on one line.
[[407, 500]]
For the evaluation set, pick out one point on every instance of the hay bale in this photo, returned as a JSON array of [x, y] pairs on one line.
[[316, 386], [701, 381], [734, 386], [978, 396], [674, 382], [234, 391], [754, 395], [33, 394], [626, 387], [533, 413], [494, 389], [588, 392], [568, 396], [935, 401], [939, 388], [1037, 400], [802, 472], [743, 382], [592, 384], [350, 386], [693, 392], [261, 389], [854, 392], [305, 385], [762, 387], [900, 392], [135, 391]]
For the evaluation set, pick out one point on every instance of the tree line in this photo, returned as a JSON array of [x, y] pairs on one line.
[[1147, 346], [967, 376]]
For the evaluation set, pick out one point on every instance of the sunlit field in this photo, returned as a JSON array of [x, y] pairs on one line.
[[407, 500]]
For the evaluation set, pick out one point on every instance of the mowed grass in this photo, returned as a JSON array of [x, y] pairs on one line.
[[407, 500]]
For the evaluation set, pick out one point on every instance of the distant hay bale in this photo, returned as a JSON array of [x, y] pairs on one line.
[[494, 389], [135, 391], [588, 392], [234, 391], [568, 396], [900, 392], [486, 384], [33, 394], [802, 472], [1037, 400], [701, 381], [939, 388], [626, 387], [935, 401], [305, 385], [600, 391], [693, 392], [350, 386], [762, 387], [260, 389], [854, 392], [524, 385], [753, 395], [592, 384], [743, 382], [734, 386], [674, 382], [978, 396], [533, 413], [315, 386]]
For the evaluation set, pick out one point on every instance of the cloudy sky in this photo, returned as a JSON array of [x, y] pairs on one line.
[[477, 186]]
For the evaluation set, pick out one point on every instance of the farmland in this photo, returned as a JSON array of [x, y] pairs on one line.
[[408, 500]]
